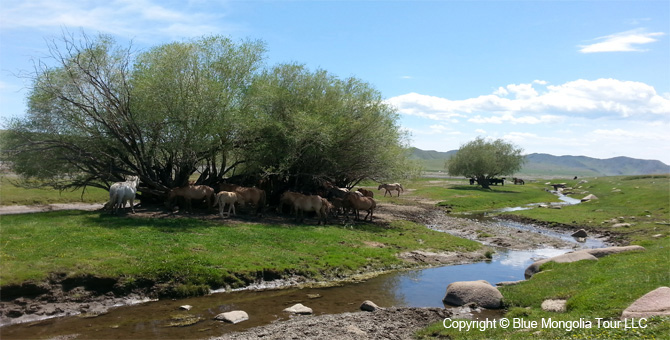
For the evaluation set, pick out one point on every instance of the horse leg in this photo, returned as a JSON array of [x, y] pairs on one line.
[[221, 208]]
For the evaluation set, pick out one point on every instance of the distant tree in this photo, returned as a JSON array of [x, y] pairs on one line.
[[483, 160]]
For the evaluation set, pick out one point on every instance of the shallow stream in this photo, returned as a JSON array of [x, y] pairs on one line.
[[412, 288]]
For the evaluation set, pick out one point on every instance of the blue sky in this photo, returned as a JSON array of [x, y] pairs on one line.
[[585, 78]]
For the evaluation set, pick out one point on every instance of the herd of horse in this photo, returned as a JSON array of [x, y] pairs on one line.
[[335, 201], [496, 181]]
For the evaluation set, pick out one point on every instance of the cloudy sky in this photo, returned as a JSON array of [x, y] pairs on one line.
[[585, 78]]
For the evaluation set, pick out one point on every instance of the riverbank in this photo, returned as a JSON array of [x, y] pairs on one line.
[[91, 295]]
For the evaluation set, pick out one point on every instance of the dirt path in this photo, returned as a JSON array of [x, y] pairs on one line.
[[26, 209]]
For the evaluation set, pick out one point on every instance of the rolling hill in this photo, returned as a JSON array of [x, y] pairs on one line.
[[542, 164]]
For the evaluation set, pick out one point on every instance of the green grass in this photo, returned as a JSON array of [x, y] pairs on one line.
[[642, 201], [196, 252], [11, 194], [461, 197], [594, 289]]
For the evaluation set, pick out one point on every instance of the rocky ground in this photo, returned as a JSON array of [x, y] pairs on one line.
[[392, 323]]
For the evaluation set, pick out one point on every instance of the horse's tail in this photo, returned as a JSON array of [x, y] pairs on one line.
[[113, 193]]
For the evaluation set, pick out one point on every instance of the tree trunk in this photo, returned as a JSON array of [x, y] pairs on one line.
[[484, 182]]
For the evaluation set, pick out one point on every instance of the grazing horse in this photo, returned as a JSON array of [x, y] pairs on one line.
[[188, 193], [366, 192], [122, 192], [518, 181], [357, 203], [249, 195], [391, 187], [314, 203], [226, 197]]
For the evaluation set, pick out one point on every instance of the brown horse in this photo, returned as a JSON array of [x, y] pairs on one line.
[[391, 187], [249, 195], [366, 192], [314, 203], [288, 198], [226, 197], [188, 193], [357, 202]]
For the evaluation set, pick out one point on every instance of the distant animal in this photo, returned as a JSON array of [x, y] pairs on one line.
[[366, 192], [391, 187], [313, 203], [472, 181], [496, 181], [250, 195], [122, 192], [518, 181], [358, 203], [223, 198], [187, 193], [575, 178]]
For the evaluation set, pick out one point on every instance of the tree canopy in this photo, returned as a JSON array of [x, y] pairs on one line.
[[483, 160], [100, 112]]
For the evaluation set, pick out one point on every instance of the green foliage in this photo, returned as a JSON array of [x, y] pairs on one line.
[[315, 124], [485, 160], [205, 105]]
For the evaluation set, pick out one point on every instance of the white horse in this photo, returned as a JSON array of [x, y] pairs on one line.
[[391, 187], [122, 192], [227, 197]]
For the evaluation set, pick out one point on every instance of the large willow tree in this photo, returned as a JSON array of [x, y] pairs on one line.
[[98, 112], [315, 126]]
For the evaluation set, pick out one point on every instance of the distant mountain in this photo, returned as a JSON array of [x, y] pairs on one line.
[[549, 165]]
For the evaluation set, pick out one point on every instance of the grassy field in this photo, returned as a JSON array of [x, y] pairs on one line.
[[12, 195], [594, 289], [461, 197], [190, 255], [197, 253]]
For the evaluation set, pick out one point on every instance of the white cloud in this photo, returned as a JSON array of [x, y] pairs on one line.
[[622, 42], [535, 103], [132, 18]]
